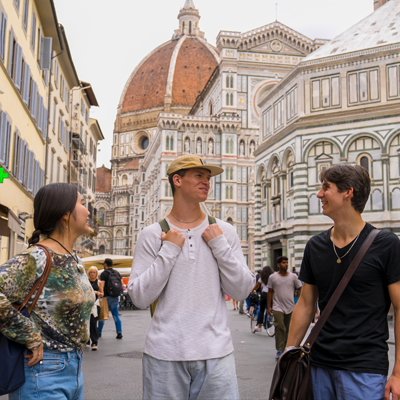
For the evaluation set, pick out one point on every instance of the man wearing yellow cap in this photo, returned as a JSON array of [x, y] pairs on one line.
[[188, 351]]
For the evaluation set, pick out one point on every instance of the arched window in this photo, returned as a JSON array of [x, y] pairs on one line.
[[227, 99], [102, 214], [172, 143], [364, 162], [227, 173], [231, 146], [183, 27], [166, 189], [227, 146], [229, 221], [231, 99], [231, 176], [227, 81], [231, 81], [166, 170], [227, 193], [211, 109], [102, 250], [231, 192], [135, 223], [167, 143], [190, 27]]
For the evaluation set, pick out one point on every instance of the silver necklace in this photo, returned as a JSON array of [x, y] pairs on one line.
[[339, 259], [183, 222]]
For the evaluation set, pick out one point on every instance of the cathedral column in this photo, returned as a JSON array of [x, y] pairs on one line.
[[284, 244]]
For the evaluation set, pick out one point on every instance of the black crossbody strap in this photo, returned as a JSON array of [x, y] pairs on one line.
[[340, 289]]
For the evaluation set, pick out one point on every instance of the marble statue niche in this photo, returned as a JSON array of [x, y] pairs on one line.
[[211, 147], [187, 145], [252, 147], [241, 148], [198, 146]]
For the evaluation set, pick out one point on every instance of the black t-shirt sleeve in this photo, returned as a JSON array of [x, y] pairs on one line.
[[104, 276], [306, 273], [390, 246]]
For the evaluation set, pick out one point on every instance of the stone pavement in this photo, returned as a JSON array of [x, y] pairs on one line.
[[114, 371], [111, 376]]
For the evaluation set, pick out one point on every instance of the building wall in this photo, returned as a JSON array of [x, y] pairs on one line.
[[327, 113], [23, 113]]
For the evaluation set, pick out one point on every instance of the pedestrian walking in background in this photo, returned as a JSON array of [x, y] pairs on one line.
[[112, 290], [281, 288], [263, 282], [58, 327], [349, 358], [188, 270], [98, 287]]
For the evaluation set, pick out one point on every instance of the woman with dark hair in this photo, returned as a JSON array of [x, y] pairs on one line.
[[58, 327], [265, 274]]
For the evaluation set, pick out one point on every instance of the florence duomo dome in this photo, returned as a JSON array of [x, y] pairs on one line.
[[169, 79]]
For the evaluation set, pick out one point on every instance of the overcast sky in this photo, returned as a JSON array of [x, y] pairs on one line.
[[109, 38]]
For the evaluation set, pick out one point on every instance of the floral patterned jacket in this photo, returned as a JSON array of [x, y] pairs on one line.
[[60, 318]]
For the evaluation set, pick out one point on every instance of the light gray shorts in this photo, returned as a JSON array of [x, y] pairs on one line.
[[194, 380]]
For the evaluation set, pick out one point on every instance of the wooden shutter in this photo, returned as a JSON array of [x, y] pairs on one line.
[[16, 146], [18, 66], [3, 30], [45, 57], [26, 166], [27, 84], [41, 178], [31, 164], [8, 144], [11, 52], [33, 31], [3, 127], [21, 160], [40, 113], [37, 178], [26, 11], [45, 123], [34, 97]]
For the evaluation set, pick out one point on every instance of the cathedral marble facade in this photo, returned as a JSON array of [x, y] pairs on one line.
[[217, 118]]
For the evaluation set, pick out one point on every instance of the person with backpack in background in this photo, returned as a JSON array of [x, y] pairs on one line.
[[187, 260], [112, 290]]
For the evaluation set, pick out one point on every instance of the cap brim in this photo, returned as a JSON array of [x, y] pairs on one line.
[[212, 168]]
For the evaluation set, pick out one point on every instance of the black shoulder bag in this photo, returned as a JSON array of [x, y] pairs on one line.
[[292, 375], [12, 374]]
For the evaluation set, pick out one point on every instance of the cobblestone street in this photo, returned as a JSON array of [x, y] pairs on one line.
[[114, 371]]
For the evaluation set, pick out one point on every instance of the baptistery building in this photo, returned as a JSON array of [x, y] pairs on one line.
[[339, 105]]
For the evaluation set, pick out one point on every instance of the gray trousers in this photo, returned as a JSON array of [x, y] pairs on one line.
[[194, 380]]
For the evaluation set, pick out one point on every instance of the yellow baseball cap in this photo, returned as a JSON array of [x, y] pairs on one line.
[[190, 162]]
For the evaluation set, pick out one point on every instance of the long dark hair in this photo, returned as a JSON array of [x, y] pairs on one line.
[[265, 273], [51, 203]]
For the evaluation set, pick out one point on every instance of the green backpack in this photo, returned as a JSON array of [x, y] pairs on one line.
[[165, 228]]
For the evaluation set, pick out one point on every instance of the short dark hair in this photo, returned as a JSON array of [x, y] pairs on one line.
[[51, 203], [181, 173], [108, 262], [281, 258], [346, 176]]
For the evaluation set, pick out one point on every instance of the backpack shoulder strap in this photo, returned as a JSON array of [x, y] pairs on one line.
[[211, 220], [164, 226]]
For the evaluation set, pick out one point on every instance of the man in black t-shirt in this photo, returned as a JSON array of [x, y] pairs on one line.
[[350, 356], [112, 301]]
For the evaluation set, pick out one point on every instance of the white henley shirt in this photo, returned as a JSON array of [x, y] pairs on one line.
[[190, 322]]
